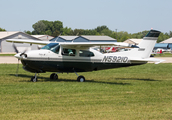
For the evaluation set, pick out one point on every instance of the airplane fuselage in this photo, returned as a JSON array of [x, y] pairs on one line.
[[82, 60], [81, 57]]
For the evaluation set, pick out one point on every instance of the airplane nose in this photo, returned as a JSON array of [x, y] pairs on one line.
[[17, 55], [21, 56]]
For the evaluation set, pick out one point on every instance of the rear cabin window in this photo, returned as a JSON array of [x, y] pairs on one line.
[[69, 52], [84, 53]]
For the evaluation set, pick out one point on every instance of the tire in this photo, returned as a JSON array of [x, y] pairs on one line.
[[54, 76], [33, 79], [81, 79]]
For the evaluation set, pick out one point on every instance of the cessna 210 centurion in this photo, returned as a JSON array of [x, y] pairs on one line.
[[81, 57]]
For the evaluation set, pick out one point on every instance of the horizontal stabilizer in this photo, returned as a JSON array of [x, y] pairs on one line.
[[156, 61]]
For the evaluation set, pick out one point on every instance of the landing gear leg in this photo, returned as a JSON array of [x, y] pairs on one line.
[[54, 76], [34, 78], [80, 78]]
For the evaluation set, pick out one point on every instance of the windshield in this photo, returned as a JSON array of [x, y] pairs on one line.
[[54, 47], [50, 46]]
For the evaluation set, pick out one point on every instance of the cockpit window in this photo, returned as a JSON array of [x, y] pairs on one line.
[[54, 47], [50, 46], [84, 53], [69, 52]]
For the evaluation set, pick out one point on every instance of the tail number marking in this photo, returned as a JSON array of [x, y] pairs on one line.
[[115, 59]]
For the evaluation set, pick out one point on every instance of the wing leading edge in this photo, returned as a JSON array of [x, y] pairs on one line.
[[73, 44], [93, 44], [28, 41]]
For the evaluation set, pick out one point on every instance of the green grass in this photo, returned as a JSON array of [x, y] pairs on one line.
[[139, 92], [7, 54]]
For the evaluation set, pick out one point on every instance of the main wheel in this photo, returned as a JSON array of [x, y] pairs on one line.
[[81, 79], [53, 76], [33, 79]]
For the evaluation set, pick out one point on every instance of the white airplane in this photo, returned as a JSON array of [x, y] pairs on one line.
[[76, 57]]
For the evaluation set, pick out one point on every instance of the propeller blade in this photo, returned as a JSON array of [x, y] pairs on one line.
[[15, 48]]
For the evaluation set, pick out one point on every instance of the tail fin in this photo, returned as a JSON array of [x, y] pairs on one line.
[[147, 44]]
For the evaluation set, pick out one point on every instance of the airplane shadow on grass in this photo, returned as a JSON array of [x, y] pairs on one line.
[[140, 79], [47, 79]]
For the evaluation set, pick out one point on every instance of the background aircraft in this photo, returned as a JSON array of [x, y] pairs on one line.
[[81, 57]]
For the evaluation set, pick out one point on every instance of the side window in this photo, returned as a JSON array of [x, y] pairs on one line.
[[84, 53], [68, 52]]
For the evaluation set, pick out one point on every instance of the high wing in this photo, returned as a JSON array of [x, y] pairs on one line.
[[28, 41], [73, 44], [93, 44]]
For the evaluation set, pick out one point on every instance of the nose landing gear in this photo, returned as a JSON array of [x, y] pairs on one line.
[[34, 78]]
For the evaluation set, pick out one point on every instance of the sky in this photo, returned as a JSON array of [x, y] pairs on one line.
[[131, 16]]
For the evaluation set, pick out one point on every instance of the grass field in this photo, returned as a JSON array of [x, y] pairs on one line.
[[7, 54], [140, 92]]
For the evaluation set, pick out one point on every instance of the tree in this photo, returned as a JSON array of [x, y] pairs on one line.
[[162, 37], [99, 29], [1, 29], [28, 32], [106, 32], [56, 33], [122, 36], [170, 34], [39, 27], [78, 32], [48, 27], [66, 31], [55, 28]]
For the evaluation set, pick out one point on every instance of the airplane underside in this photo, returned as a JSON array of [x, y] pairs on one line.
[[56, 66]]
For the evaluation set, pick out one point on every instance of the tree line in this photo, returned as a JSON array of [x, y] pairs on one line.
[[55, 28]]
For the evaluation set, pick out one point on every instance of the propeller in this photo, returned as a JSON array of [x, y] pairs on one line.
[[23, 53], [15, 48]]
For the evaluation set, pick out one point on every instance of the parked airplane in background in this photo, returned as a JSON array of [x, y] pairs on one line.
[[76, 57]]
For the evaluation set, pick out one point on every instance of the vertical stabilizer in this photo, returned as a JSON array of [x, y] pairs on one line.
[[147, 44]]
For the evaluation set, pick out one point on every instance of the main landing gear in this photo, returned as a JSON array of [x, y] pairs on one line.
[[54, 76], [80, 78]]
